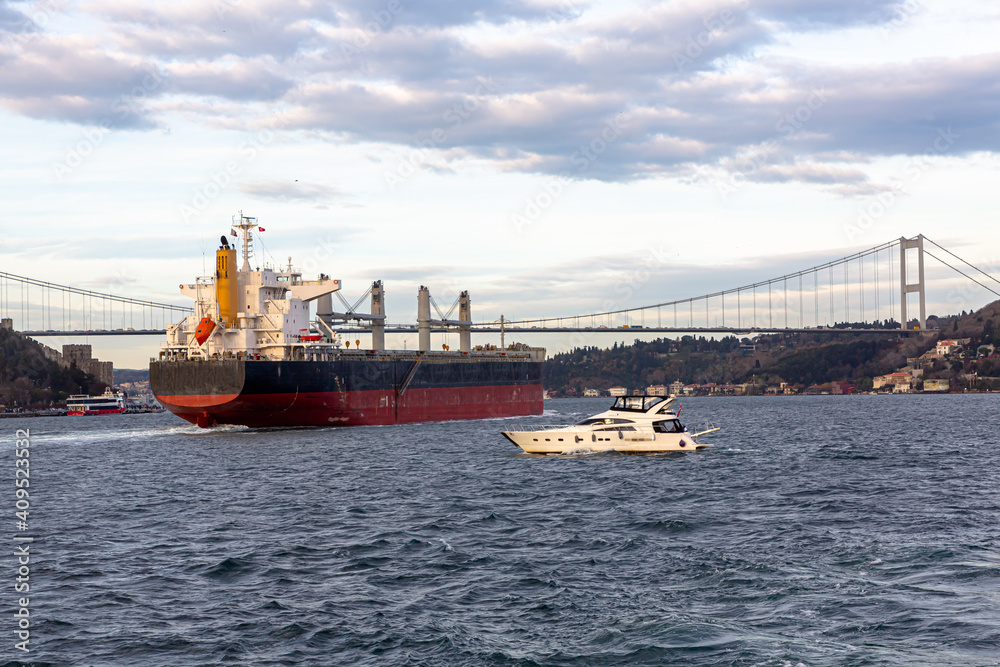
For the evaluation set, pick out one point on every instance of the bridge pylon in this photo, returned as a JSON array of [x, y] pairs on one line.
[[907, 287]]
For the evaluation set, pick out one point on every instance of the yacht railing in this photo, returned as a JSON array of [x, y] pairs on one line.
[[533, 428]]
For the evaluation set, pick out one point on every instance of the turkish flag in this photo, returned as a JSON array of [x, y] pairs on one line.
[[260, 229]]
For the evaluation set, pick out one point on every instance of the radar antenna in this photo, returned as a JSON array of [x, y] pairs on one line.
[[246, 225]]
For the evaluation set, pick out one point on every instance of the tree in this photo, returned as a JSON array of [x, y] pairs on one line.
[[23, 389]]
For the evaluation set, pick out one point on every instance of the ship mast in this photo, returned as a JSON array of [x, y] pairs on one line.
[[246, 225]]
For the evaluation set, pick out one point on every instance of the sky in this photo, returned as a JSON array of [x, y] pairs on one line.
[[552, 157]]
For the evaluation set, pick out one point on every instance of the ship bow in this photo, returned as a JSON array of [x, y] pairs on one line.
[[196, 390]]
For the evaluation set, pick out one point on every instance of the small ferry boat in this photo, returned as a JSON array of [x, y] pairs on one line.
[[635, 424], [109, 403]]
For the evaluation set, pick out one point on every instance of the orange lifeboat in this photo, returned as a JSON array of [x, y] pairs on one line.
[[204, 330], [307, 336]]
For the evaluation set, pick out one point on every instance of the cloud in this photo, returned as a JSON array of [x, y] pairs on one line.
[[200, 31], [14, 21], [385, 14], [527, 86], [808, 173], [831, 13], [247, 79], [413, 273], [73, 79], [289, 191], [117, 247]]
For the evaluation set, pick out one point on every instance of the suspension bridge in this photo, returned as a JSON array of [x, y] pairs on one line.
[[867, 292]]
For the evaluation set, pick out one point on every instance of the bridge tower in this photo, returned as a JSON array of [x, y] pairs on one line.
[[907, 287]]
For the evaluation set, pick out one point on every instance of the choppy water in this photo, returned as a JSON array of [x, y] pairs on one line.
[[818, 530]]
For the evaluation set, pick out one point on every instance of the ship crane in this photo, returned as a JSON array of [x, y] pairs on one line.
[[326, 316], [463, 323]]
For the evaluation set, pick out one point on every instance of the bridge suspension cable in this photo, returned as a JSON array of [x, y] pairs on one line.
[[75, 309], [851, 290], [989, 289]]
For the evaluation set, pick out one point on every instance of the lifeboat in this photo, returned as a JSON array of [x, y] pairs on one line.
[[204, 330]]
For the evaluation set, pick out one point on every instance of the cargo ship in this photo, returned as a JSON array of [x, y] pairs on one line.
[[263, 347]]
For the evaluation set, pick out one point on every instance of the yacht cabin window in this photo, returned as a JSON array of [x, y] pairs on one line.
[[604, 420], [668, 426]]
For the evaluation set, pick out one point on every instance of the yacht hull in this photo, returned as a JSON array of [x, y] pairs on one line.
[[562, 442]]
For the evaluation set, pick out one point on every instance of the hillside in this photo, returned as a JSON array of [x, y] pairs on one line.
[[28, 378], [800, 359], [131, 375]]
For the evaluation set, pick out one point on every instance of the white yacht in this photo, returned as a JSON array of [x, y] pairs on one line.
[[636, 424]]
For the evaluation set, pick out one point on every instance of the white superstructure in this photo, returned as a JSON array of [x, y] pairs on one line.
[[253, 313]]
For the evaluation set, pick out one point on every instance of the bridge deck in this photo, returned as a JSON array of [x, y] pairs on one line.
[[531, 330]]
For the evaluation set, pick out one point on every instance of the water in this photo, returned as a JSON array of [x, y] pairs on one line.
[[817, 531]]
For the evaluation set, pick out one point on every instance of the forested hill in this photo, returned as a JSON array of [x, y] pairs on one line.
[[131, 375], [806, 359], [29, 378]]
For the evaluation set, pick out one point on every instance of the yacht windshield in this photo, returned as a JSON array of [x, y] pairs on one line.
[[637, 403], [666, 408]]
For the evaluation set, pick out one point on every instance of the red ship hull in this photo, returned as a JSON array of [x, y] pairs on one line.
[[353, 393], [357, 408]]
